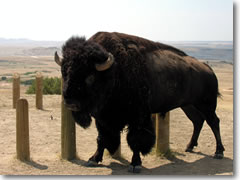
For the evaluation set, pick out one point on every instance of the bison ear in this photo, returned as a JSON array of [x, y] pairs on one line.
[[57, 59], [105, 65]]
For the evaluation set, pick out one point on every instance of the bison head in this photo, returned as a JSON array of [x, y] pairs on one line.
[[87, 71]]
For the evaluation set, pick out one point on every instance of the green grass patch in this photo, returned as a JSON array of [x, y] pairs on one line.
[[28, 73], [51, 85]]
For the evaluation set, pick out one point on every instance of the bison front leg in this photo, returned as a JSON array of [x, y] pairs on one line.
[[106, 139], [136, 164], [140, 139], [97, 157]]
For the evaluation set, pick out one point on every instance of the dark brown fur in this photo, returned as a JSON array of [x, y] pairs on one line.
[[146, 77]]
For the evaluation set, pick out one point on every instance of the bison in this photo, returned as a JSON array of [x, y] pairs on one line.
[[121, 79]]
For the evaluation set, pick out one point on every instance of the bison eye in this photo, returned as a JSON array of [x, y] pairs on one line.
[[90, 80]]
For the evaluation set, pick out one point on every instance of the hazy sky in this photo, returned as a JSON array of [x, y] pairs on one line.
[[167, 20]]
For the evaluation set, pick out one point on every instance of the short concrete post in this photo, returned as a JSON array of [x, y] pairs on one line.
[[39, 91], [16, 89], [162, 133], [22, 130], [68, 134]]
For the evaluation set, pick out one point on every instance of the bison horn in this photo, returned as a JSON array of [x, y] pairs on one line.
[[106, 65], [57, 59]]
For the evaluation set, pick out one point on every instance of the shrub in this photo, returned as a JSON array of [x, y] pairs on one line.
[[27, 82], [50, 86], [32, 88], [3, 78]]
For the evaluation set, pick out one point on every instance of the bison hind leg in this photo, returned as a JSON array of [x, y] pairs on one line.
[[207, 110], [197, 119], [213, 122]]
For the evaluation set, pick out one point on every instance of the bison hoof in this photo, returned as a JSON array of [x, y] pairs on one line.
[[134, 169], [189, 150], [218, 156], [91, 164]]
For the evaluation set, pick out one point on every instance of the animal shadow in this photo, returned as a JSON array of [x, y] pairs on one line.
[[204, 166]]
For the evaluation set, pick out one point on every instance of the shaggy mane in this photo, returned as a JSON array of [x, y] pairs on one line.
[[125, 42]]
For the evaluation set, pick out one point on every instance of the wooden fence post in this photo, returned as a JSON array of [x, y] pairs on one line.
[[39, 91], [22, 130], [16, 89], [162, 133], [68, 133]]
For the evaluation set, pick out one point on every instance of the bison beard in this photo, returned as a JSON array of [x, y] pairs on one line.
[[84, 120], [121, 80]]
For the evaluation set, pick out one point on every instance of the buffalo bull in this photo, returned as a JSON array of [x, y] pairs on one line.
[[120, 80]]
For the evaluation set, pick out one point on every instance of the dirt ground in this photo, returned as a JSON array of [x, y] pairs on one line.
[[45, 134]]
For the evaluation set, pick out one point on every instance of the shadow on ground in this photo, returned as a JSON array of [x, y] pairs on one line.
[[207, 165], [204, 166]]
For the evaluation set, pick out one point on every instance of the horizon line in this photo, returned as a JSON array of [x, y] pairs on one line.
[[29, 39]]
